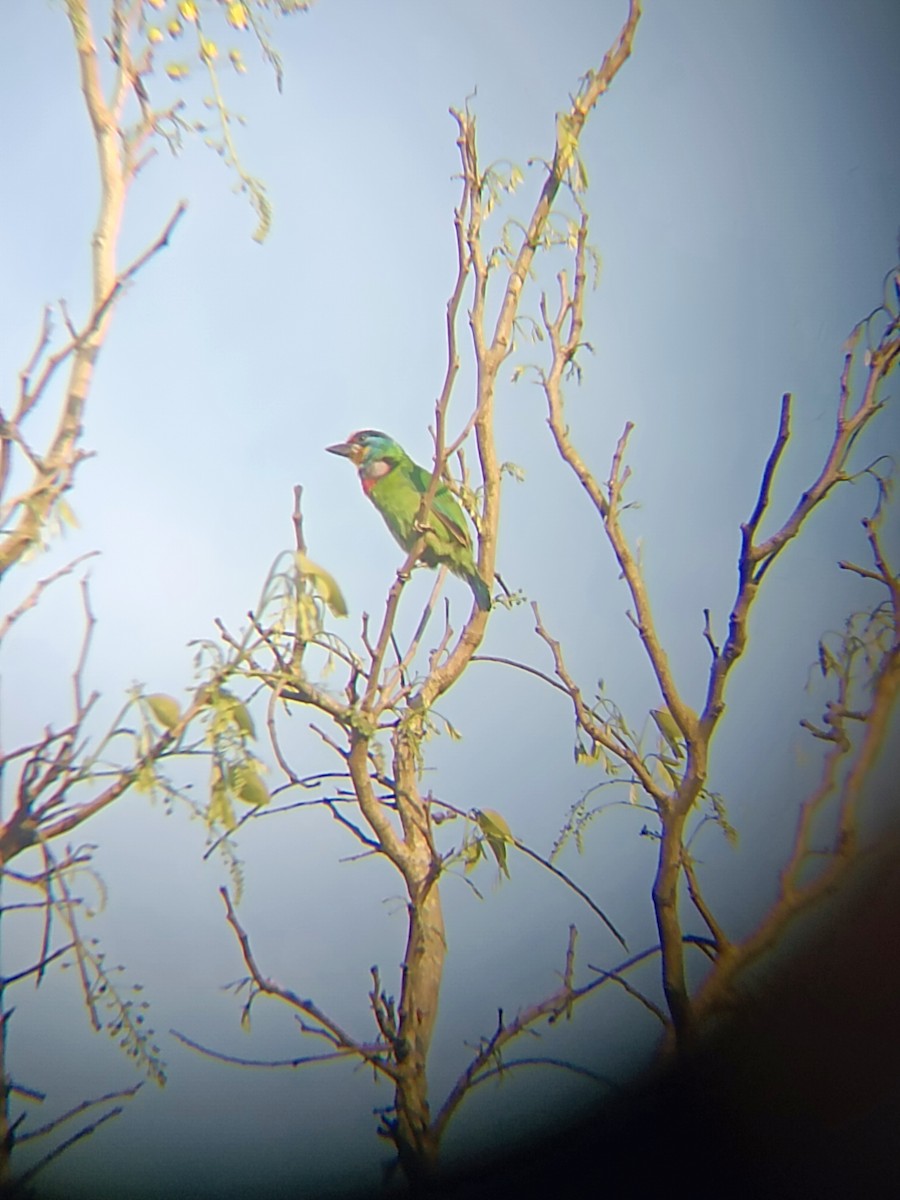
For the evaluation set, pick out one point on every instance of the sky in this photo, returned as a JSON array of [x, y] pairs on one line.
[[745, 200]]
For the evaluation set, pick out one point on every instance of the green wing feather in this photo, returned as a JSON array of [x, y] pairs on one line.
[[398, 495], [444, 506]]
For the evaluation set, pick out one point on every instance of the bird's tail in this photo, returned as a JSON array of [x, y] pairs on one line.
[[480, 591]]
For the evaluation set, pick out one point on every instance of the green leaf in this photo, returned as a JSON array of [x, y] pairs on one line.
[[308, 621], [667, 768], [472, 856], [145, 780], [666, 725], [243, 720], [220, 809], [492, 824], [248, 786], [566, 141], [324, 584], [165, 709], [234, 711], [497, 833]]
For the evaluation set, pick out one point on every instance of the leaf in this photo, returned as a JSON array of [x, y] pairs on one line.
[[188, 10], [324, 584], [566, 141], [492, 824], [248, 786], [220, 810], [472, 855], [666, 725], [237, 16], [452, 731], [241, 717], [165, 709], [497, 833], [594, 755], [667, 768], [145, 780], [65, 514], [307, 623], [233, 711], [177, 70], [721, 817]]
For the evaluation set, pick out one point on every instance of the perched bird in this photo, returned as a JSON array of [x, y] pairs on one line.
[[396, 485]]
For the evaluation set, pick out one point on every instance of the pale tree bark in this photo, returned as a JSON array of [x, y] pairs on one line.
[[54, 470], [389, 691], [674, 788]]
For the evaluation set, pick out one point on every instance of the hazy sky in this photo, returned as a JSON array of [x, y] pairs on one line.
[[745, 199]]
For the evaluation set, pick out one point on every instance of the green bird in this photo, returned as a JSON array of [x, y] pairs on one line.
[[396, 485]]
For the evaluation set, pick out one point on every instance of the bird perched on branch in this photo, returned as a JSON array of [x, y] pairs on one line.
[[396, 485]]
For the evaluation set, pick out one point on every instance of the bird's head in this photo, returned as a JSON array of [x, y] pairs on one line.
[[367, 447]]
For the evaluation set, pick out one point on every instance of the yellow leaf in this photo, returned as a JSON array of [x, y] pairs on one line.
[[668, 727], [666, 770], [324, 584], [154, 34], [472, 854], [175, 28], [248, 786], [220, 811], [208, 50], [497, 833], [165, 709], [157, 3], [566, 140], [237, 16], [188, 10], [237, 62], [145, 780], [65, 514], [229, 711], [176, 70], [243, 720], [493, 825]]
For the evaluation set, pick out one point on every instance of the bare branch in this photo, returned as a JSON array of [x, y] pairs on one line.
[[301, 1061], [51, 1126], [33, 597], [328, 1028]]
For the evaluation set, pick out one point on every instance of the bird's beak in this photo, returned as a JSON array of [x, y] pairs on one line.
[[345, 450]]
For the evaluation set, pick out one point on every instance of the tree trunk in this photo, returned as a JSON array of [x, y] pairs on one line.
[[423, 968]]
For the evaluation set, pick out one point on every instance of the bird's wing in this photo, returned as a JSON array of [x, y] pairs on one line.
[[449, 513], [444, 508]]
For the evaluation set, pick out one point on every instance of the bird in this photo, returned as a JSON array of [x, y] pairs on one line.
[[395, 485]]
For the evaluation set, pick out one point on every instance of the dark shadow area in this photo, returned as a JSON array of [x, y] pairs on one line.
[[796, 1094]]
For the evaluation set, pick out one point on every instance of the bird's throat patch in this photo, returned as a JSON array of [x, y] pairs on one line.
[[372, 472]]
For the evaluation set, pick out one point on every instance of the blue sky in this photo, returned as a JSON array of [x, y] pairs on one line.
[[745, 199]]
